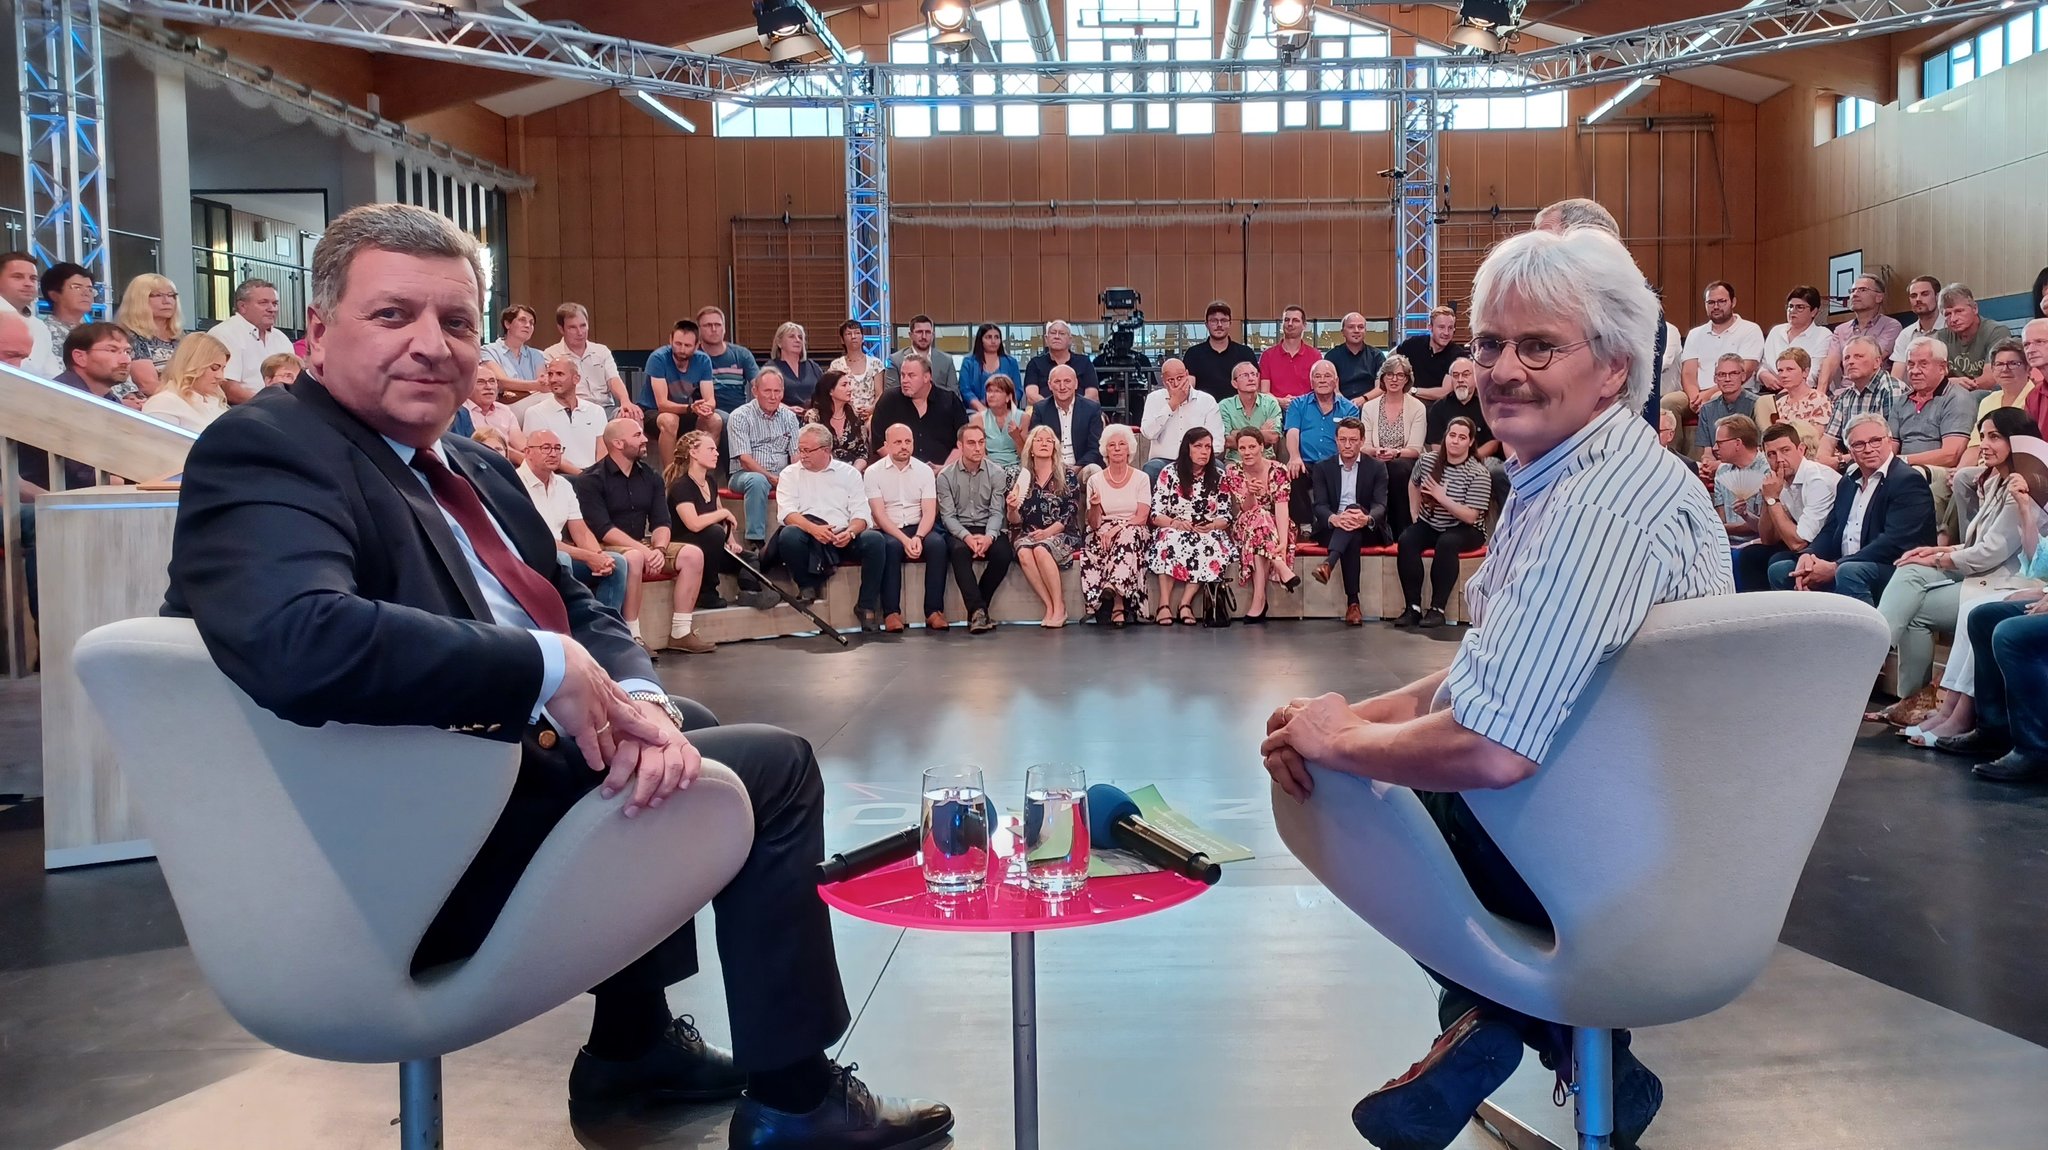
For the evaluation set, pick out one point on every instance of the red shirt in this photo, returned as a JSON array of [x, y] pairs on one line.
[[1288, 374]]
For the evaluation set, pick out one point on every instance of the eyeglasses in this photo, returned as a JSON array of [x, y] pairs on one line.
[[1535, 353], [544, 447], [163, 295], [116, 348], [1870, 444], [2009, 365]]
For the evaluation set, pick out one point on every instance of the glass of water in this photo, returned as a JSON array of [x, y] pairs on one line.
[[1055, 829], [954, 847]]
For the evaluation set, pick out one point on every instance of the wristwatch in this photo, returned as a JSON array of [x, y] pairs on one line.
[[660, 699], [1770, 502]]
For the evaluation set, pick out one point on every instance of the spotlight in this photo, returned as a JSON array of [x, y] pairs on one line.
[[776, 18], [946, 16], [788, 49], [1486, 25], [1290, 20]]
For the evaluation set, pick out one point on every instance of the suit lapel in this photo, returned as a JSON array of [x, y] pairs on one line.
[[409, 486]]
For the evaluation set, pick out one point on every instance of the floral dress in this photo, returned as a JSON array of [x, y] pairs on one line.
[[1042, 508], [157, 351], [1255, 521], [1114, 561], [850, 446], [867, 386], [1191, 556], [1814, 411]]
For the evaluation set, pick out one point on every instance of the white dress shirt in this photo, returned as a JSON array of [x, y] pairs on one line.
[[902, 490], [835, 495], [1809, 497], [1066, 415], [1852, 527], [247, 350], [42, 357], [1165, 427], [555, 499], [579, 430]]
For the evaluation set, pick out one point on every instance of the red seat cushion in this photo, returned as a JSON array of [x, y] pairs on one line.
[[1312, 550], [728, 493], [1387, 549], [1478, 554]]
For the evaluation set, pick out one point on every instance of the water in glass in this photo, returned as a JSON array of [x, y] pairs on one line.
[[955, 831], [1055, 829]]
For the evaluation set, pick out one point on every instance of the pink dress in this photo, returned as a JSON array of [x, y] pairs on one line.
[[1255, 521]]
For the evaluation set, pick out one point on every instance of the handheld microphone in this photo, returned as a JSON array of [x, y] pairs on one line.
[[869, 857], [1114, 818]]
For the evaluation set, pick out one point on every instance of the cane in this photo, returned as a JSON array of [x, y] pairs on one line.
[[786, 597]]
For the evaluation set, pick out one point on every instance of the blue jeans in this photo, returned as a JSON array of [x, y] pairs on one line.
[[609, 589], [2012, 663], [1863, 581], [753, 488]]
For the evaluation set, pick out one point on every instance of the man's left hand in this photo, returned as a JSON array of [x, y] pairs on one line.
[[654, 561], [655, 767], [1303, 731], [629, 411]]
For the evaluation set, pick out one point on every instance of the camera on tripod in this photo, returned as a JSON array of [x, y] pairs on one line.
[[1124, 372]]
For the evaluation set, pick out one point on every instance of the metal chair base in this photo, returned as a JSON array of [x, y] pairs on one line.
[[419, 1104]]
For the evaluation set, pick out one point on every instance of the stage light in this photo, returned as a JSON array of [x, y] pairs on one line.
[[1486, 25], [1290, 20], [787, 49], [946, 16], [776, 18]]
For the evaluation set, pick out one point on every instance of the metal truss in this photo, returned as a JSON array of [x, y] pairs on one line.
[[1416, 181], [63, 105], [867, 215]]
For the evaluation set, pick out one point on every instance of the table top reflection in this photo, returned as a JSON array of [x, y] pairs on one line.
[[895, 895]]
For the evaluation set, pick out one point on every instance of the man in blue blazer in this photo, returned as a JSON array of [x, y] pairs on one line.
[[1894, 511], [1065, 414]]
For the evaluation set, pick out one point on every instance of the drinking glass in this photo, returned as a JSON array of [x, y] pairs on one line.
[[955, 828], [1055, 829]]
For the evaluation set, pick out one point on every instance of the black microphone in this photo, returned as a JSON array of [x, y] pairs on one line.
[[1114, 818], [869, 857]]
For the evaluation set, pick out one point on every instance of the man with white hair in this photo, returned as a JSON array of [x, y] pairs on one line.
[[1867, 389], [1059, 352], [1171, 411], [1601, 523], [1883, 509]]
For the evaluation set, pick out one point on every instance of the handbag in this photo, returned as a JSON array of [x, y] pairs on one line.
[[1219, 604]]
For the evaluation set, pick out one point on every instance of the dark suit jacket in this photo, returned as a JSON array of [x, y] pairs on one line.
[[327, 584], [1088, 425], [1371, 493], [1899, 518]]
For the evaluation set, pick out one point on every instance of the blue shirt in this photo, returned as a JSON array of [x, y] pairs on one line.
[[1318, 431], [526, 363], [682, 384], [732, 375], [974, 380]]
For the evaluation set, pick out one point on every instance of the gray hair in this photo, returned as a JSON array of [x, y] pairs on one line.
[[917, 357], [814, 431], [397, 228], [1876, 348], [1564, 215], [1110, 433], [1954, 294], [1728, 356], [1587, 275], [247, 288], [1858, 420], [1927, 340]]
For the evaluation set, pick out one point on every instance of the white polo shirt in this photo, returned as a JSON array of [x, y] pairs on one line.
[[1706, 345], [579, 430], [902, 490], [247, 350], [555, 500], [595, 368]]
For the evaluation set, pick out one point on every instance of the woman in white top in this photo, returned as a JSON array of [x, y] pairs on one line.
[[863, 369], [1119, 530], [1395, 424], [190, 396], [1802, 308]]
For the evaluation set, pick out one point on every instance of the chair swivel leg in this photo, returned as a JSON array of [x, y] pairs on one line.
[[1593, 1085], [419, 1104]]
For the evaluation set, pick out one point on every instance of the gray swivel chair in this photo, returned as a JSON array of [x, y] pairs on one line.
[[306, 864], [1663, 835]]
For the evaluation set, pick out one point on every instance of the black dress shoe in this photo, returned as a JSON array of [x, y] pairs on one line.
[[712, 602], [867, 619], [1428, 1107], [1979, 743], [1431, 618], [1409, 617], [850, 1118], [682, 1067], [2014, 767]]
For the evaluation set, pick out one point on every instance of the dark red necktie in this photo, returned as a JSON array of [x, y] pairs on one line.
[[459, 499]]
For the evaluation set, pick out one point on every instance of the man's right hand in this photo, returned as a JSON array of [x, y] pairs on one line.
[[600, 564], [593, 711], [1294, 468]]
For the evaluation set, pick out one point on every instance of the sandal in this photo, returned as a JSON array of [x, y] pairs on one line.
[[1116, 618], [1165, 617], [1187, 616]]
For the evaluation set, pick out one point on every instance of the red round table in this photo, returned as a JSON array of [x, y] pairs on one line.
[[895, 896]]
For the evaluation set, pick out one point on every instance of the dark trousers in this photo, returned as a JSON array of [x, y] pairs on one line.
[[1301, 501], [1443, 569], [934, 570], [774, 934], [808, 560], [2012, 662], [1344, 547], [1865, 581], [717, 560], [975, 593], [1398, 473], [1753, 563]]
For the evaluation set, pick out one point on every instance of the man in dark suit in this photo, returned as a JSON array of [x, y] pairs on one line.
[[1075, 419], [346, 561], [1882, 509], [1349, 501]]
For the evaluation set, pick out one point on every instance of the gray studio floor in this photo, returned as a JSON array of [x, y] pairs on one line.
[[1253, 1017]]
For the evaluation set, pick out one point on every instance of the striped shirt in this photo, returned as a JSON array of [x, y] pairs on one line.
[[1883, 394], [1468, 484], [1596, 532]]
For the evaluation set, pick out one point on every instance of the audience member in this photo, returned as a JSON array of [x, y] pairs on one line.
[[189, 391], [1214, 361], [1059, 352], [554, 496], [1924, 296], [1171, 411], [17, 339], [1797, 494], [857, 365], [1044, 507], [1725, 332], [1119, 540], [789, 354], [1004, 423], [1191, 543], [282, 369], [2034, 345], [1430, 356], [519, 363], [1735, 467], [2010, 647], [704, 523], [822, 506], [1312, 431], [1797, 400], [903, 496], [972, 511], [1461, 403], [1358, 362], [89, 353], [1284, 367], [732, 367], [1667, 433], [832, 408], [1260, 530], [486, 412], [1449, 498], [626, 505], [1250, 407], [70, 292], [1396, 424], [1925, 593], [945, 376], [1867, 390], [20, 280], [1882, 510], [597, 372], [934, 415], [761, 436], [251, 336], [2007, 369], [1802, 309], [1866, 319], [685, 396], [149, 312], [987, 360], [1729, 397], [1349, 503], [1932, 422], [1076, 421], [577, 425], [1968, 338]]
